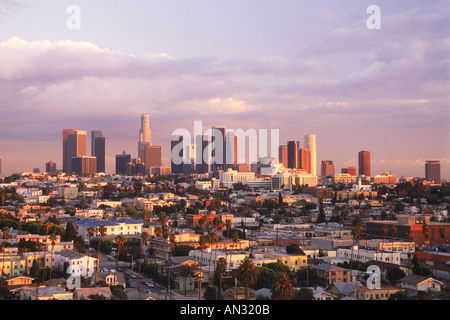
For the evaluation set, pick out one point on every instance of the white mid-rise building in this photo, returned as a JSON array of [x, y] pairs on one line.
[[365, 255], [230, 177]]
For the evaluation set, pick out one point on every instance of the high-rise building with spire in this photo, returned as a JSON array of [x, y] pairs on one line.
[[145, 135]]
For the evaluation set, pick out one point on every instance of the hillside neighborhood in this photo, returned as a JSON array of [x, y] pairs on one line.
[[189, 237]]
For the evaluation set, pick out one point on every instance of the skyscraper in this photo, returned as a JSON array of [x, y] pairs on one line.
[[433, 171], [349, 170], [152, 157], [219, 152], [98, 149], [364, 163], [202, 163], [121, 162], [293, 155], [83, 165], [64, 151], [327, 168], [310, 144], [176, 167], [74, 145], [50, 167], [283, 156], [145, 135], [305, 160], [231, 152], [1, 167]]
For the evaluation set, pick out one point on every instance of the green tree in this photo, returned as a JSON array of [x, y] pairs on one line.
[[303, 294], [71, 232], [266, 278], [399, 295]]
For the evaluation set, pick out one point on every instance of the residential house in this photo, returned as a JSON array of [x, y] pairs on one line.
[[319, 293], [112, 278], [123, 226], [75, 263], [382, 293], [45, 293], [342, 290], [84, 293], [330, 274], [293, 261], [415, 283]]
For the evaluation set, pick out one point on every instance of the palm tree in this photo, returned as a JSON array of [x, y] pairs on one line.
[[247, 273], [53, 242], [218, 226], [409, 235], [158, 234], [120, 241], [211, 237], [144, 238], [393, 229], [202, 242], [282, 288], [102, 232], [172, 242], [220, 270], [202, 221], [235, 237]]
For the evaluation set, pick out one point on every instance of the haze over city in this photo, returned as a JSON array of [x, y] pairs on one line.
[[298, 66]]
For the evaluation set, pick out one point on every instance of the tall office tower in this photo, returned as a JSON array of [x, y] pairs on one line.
[[433, 171], [145, 135], [74, 146], [364, 163], [218, 132], [283, 156], [82, 165], [231, 152], [350, 170], [202, 165], [152, 157], [98, 149], [327, 168], [66, 160], [305, 160], [121, 162], [293, 149], [310, 144], [1, 167], [177, 155], [50, 167]]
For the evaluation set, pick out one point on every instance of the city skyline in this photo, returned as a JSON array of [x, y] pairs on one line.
[[299, 67]]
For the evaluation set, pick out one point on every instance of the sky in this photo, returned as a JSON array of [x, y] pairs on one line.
[[302, 67]]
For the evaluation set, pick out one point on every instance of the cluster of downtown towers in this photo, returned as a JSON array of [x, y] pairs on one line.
[[149, 160], [75, 159]]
